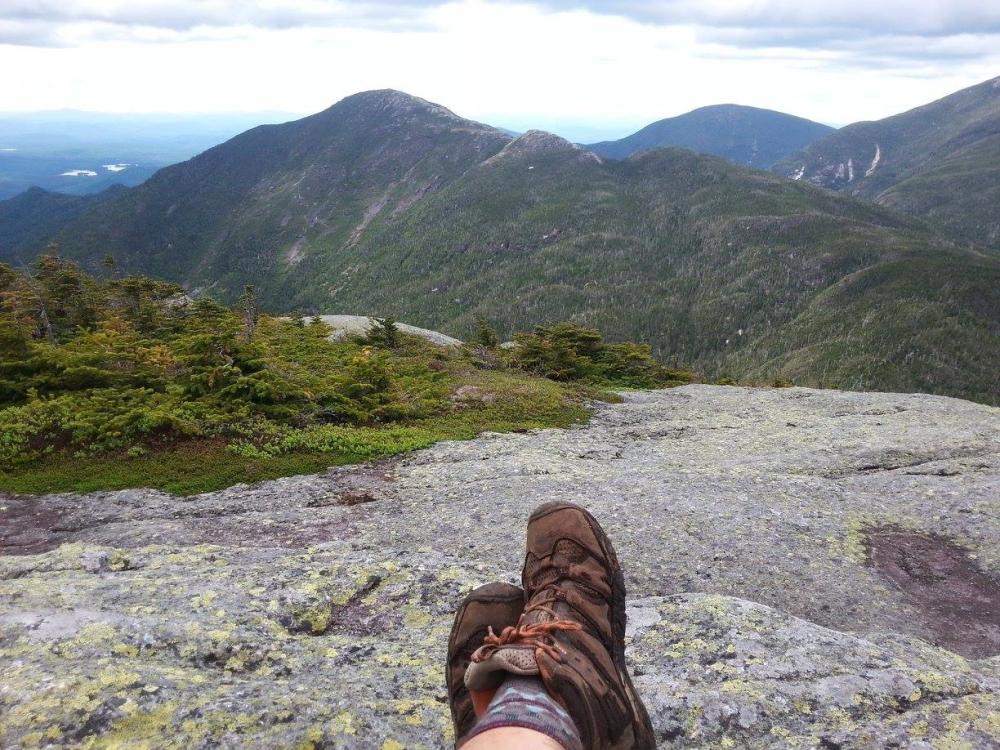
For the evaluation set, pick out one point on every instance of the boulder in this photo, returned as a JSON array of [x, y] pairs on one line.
[[359, 325]]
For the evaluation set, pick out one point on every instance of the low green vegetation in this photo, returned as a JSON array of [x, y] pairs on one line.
[[114, 383], [571, 352]]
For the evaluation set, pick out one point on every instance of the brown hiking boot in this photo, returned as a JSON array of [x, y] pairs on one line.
[[572, 632], [495, 606]]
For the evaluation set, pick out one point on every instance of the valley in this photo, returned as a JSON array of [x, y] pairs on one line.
[[83, 153]]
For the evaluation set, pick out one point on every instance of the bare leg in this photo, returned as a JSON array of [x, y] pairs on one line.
[[512, 738]]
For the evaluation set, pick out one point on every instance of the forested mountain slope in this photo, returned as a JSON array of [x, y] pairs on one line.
[[940, 161], [28, 220], [389, 205]]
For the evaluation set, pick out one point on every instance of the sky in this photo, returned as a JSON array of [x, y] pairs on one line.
[[587, 70]]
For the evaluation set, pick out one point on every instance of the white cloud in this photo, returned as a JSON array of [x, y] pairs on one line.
[[186, 15], [924, 17], [931, 17], [614, 67]]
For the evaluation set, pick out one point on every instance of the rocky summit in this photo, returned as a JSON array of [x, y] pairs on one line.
[[806, 568]]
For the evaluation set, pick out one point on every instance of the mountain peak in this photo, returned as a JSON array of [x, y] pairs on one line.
[[392, 101], [391, 98], [34, 192], [397, 108], [538, 142], [744, 135]]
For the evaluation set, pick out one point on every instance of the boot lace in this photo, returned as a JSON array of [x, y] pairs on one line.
[[538, 635]]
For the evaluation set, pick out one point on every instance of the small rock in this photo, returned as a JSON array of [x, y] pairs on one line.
[[95, 562], [355, 498], [472, 394], [102, 561]]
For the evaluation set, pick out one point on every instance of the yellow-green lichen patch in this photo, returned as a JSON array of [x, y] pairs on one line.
[[141, 730], [344, 723]]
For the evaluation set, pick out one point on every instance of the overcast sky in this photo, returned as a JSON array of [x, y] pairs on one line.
[[584, 69]]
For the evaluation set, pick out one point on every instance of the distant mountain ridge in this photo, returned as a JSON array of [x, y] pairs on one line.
[[28, 220], [386, 204], [940, 161], [744, 135]]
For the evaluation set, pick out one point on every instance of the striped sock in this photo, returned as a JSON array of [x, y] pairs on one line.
[[524, 702]]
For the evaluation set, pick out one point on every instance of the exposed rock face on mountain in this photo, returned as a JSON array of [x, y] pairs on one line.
[[805, 568], [744, 135], [940, 161], [540, 142]]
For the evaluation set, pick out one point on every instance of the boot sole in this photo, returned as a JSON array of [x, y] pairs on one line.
[[618, 616]]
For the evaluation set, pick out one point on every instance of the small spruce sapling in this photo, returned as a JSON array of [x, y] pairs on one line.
[[384, 333], [486, 334]]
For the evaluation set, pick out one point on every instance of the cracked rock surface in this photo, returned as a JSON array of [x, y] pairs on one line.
[[805, 569]]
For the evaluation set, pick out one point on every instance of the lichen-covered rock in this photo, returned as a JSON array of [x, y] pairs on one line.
[[722, 672], [278, 616]]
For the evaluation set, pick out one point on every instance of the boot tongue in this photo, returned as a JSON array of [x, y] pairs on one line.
[[536, 616], [547, 606]]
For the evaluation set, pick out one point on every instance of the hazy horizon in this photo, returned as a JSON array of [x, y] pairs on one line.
[[580, 132]]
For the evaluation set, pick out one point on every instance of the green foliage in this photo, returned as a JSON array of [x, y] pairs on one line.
[[568, 351], [384, 333], [129, 363], [564, 351], [262, 449], [485, 334], [136, 374]]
